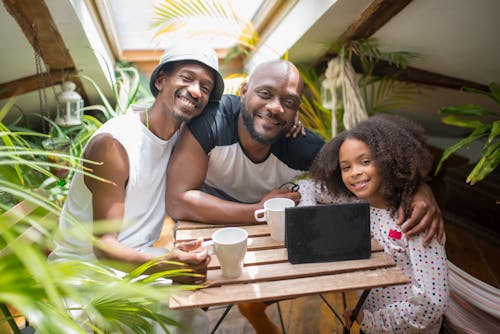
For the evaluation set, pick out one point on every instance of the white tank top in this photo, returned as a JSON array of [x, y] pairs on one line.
[[148, 157]]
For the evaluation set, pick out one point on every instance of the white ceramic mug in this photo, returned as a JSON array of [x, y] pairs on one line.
[[274, 214], [230, 246]]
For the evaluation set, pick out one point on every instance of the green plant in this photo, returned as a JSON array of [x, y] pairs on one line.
[[125, 84], [46, 292], [490, 153], [312, 113]]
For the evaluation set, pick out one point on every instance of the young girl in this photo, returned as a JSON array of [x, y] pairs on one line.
[[383, 160]]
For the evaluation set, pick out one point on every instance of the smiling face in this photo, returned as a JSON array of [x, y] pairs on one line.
[[270, 100], [359, 172], [184, 89]]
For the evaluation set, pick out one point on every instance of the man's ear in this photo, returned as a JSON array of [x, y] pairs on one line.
[[159, 82], [243, 90]]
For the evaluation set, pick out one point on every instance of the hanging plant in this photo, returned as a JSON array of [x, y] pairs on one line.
[[340, 86], [351, 97]]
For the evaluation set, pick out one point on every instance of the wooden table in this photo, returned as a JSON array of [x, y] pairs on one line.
[[268, 276]]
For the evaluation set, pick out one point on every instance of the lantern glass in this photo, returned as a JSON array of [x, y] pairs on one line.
[[69, 105]]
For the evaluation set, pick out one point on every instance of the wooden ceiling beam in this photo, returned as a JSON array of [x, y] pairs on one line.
[[378, 13], [373, 18], [34, 18], [414, 75], [37, 24], [34, 82]]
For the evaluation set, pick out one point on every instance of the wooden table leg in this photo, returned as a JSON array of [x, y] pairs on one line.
[[360, 303]]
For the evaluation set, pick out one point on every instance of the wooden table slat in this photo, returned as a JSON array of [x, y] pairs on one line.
[[290, 288], [266, 256], [259, 238], [252, 258], [206, 233], [189, 225], [285, 270]]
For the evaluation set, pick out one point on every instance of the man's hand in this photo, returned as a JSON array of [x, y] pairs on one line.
[[189, 253], [425, 215], [296, 129], [285, 193]]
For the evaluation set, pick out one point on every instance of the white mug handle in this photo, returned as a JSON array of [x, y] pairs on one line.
[[210, 245], [257, 214]]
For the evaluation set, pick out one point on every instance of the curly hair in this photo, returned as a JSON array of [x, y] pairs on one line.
[[399, 152]]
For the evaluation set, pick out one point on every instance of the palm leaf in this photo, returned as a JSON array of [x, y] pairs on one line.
[[217, 18], [128, 86], [476, 134], [312, 113], [487, 164], [466, 109], [385, 95], [495, 131], [461, 122], [105, 101]]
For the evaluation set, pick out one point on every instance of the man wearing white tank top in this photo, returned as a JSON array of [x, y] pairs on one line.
[[133, 151]]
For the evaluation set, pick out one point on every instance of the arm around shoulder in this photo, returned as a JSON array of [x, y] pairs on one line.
[[186, 173]]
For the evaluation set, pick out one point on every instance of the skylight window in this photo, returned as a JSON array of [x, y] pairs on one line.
[[133, 23]]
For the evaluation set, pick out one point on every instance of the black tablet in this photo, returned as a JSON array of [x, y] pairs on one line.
[[332, 232]]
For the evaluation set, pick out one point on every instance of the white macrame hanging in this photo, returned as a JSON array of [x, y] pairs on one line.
[[341, 78]]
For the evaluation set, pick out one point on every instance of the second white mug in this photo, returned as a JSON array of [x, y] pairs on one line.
[[274, 213], [230, 246]]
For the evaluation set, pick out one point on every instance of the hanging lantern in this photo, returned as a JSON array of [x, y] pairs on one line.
[[69, 105]]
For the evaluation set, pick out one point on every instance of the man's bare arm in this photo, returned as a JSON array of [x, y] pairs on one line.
[[187, 170], [108, 207]]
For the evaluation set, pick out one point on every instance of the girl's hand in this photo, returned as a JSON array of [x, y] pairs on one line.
[[425, 215], [296, 129]]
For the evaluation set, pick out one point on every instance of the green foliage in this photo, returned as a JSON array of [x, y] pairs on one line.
[[44, 292], [368, 52], [313, 114], [490, 156], [126, 84]]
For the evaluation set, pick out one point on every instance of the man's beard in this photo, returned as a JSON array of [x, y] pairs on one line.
[[248, 121], [181, 117]]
